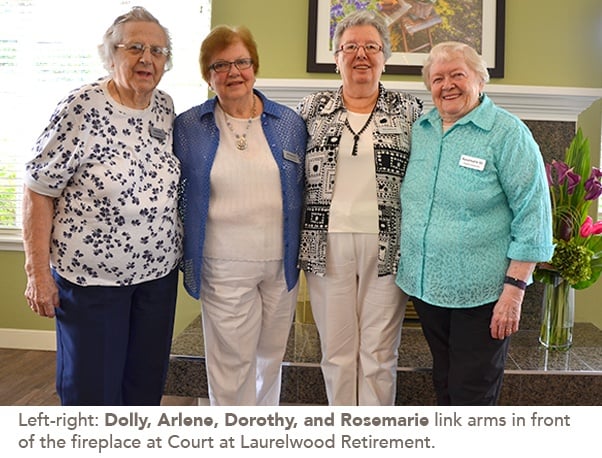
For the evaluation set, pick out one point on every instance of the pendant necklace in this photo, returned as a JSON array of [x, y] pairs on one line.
[[356, 135], [241, 140]]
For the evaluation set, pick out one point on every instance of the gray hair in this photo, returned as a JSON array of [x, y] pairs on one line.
[[364, 17], [114, 35], [450, 50]]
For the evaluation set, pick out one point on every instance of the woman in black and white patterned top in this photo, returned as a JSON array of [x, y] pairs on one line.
[[357, 152], [101, 229]]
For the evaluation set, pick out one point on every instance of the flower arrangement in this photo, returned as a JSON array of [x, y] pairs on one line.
[[578, 253]]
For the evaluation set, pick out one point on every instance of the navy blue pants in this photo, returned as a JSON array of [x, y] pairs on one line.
[[113, 343], [468, 364]]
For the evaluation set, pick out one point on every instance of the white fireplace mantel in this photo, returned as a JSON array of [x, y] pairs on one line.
[[537, 103]]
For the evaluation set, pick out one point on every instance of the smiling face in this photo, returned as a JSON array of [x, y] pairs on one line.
[[137, 75], [235, 84], [455, 88], [359, 69]]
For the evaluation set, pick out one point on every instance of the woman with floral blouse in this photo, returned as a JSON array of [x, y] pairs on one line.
[[101, 229]]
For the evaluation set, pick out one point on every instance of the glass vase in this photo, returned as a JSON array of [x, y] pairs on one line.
[[558, 315]]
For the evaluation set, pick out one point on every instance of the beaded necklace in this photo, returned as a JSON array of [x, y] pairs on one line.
[[241, 140], [356, 135]]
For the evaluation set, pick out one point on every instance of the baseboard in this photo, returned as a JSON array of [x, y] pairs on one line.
[[24, 339]]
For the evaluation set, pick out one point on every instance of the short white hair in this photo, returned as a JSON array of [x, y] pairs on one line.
[[450, 50], [114, 35]]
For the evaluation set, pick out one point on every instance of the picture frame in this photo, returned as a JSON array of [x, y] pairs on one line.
[[320, 58]]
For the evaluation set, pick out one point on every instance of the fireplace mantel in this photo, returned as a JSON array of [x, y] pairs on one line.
[[538, 103]]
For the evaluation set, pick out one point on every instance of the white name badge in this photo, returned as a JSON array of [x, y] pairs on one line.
[[289, 156], [474, 163], [389, 129]]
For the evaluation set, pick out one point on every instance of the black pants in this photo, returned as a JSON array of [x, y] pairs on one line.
[[468, 364]]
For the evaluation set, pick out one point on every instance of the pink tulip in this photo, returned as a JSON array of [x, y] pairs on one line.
[[590, 228]]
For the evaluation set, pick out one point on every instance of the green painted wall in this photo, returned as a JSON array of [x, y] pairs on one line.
[[589, 301], [15, 313], [548, 43]]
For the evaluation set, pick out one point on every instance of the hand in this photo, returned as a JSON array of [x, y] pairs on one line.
[[506, 313], [42, 295]]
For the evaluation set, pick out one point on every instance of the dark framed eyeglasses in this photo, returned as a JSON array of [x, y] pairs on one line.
[[352, 48], [223, 66], [137, 49]]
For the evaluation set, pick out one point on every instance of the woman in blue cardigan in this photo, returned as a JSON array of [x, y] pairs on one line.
[[242, 159]]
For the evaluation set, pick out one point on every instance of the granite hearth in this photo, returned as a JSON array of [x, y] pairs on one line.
[[534, 375]]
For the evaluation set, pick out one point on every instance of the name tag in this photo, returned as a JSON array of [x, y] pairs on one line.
[[474, 163], [389, 129], [291, 157], [157, 133]]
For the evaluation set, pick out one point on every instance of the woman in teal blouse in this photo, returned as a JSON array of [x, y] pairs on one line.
[[476, 219]]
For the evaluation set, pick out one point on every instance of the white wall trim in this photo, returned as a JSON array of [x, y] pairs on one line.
[[11, 240], [537, 103], [27, 339]]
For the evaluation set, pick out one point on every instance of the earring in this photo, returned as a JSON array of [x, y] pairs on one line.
[[336, 69], [384, 68]]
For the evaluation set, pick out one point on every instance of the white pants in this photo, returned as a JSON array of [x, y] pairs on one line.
[[359, 317], [247, 315]]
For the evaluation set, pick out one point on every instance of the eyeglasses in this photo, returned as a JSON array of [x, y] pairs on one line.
[[352, 48], [137, 49], [223, 66]]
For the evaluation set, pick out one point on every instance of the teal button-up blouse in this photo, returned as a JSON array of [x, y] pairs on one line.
[[473, 198]]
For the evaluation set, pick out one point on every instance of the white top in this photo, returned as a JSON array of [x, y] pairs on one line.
[[354, 207], [245, 207]]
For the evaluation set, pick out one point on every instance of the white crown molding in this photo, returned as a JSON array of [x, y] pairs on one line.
[[537, 103]]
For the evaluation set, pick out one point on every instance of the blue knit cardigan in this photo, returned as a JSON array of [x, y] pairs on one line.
[[196, 138]]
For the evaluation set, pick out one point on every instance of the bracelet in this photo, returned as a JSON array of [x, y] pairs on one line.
[[515, 282]]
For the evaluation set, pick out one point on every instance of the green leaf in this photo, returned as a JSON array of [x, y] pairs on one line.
[[587, 283]]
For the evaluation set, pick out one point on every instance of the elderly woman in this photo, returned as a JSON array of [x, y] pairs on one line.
[[475, 193], [101, 229], [357, 155], [242, 175]]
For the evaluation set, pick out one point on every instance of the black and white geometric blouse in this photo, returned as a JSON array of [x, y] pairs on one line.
[[325, 114]]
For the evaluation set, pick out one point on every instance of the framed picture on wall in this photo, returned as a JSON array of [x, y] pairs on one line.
[[414, 27]]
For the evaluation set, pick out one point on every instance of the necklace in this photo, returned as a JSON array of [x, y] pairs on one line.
[[241, 140], [356, 135]]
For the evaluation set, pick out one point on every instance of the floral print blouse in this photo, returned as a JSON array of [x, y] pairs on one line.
[[114, 180]]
